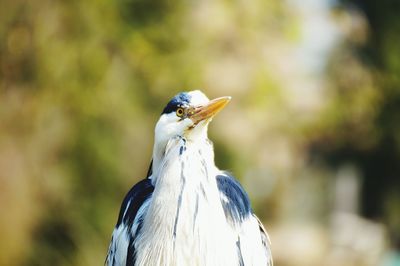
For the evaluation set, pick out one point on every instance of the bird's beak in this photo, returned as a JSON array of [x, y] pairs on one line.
[[208, 110]]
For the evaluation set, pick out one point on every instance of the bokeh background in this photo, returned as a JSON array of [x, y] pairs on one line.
[[312, 132]]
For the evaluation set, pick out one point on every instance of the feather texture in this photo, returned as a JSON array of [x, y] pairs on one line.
[[128, 225], [194, 214], [253, 245]]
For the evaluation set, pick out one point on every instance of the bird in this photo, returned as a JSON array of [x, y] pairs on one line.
[[187, 211]]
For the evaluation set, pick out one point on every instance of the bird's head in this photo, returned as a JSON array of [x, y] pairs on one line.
[[187, 114]]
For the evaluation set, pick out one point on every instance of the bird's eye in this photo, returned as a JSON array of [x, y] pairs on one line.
[[180, 112]]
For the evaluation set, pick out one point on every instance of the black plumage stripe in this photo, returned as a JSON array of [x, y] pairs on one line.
[[179, 100], [150, 171], [234, 199], [133, 200], [130, 206], [137, 196], [131, 256], [239, 250]]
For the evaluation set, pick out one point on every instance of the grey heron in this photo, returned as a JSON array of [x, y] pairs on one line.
[[187, 211]]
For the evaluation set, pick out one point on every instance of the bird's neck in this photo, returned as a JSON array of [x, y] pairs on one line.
[[161, 151], [185, 205], [158, 154], [196, 136]]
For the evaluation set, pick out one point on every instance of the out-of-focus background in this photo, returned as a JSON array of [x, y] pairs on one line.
[[312, 132]]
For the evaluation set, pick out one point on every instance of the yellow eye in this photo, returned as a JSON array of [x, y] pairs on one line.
[[180, 112]]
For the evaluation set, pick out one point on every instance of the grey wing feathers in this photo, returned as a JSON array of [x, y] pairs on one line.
[[253, 241], [121, 251]]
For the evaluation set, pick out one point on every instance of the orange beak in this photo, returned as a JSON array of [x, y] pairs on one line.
[[203, 112]]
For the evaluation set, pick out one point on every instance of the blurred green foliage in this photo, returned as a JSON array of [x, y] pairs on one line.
[[366, 104], [82, 84]]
